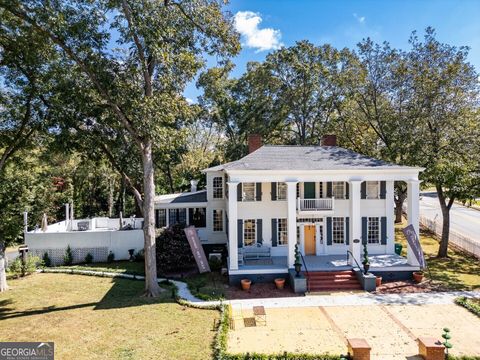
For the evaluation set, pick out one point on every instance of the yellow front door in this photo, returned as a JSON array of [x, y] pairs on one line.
[[309, 239]]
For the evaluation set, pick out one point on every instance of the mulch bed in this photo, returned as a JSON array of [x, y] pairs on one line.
[[406, 286], [258, 291]]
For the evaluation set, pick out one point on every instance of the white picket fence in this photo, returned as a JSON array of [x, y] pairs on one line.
[[461, 241]]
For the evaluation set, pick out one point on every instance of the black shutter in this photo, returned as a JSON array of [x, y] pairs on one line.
[[383, 226], [364, 230], [383, 189], [239, 192], [190, 216], [274, 232], [363, 190], [347, 190], [258, 191], [347, 230], [240, 233], [329, 231], [329, 189], [274, 191], [259, 231]]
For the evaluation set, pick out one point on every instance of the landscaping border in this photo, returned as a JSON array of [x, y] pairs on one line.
[[464, 301]]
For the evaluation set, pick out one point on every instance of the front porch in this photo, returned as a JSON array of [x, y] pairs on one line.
[[278, 264]]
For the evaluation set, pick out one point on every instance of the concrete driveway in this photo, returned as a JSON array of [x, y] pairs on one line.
[[463, 220]]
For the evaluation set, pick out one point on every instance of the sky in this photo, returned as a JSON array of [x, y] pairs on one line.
[[266, 25]]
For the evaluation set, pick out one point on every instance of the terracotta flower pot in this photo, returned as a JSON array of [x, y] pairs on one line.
[[418, 277], [246, 284], [280, 283], [378, 281]]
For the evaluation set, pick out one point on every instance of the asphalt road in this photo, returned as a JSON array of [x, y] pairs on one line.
[[463, 220]]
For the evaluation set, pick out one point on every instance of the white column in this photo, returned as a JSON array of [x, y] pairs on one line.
[[355, 221], [390, 214], [413, 208], [232, 226], [291, 221]]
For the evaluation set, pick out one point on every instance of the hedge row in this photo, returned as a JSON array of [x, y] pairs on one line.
[[469, 305]]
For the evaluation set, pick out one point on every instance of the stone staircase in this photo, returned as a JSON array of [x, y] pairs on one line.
[[318, 281]]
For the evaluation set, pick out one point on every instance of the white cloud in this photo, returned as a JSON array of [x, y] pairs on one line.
[[360, 19], [246, 23]]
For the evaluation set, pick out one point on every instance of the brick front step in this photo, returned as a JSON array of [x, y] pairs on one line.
[[332, 280]]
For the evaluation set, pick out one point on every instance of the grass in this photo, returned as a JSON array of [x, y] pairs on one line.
[[103, 318], [460, 271], [472, 305], [207, 286], [124, 267]]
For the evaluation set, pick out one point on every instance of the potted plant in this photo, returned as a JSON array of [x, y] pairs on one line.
[[418, 276], [366, 261], [280, 283], [246, 283], [378, 281], [298, 263]]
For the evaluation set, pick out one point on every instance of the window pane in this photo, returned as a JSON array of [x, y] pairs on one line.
[[249, 233], [177, 216], [373, 230], [248, 191], [281, 191], [338, 230], [217, 220], [197, 217], [160, 218], [282, 234], [218, 187], [372, 190], [338, 189]]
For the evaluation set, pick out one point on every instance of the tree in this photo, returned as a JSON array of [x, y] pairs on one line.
[[446, 90], [3, 268], [140, 84]]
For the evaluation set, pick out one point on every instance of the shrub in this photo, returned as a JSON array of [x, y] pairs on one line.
[[215, 264], [110, 257], [472, 305], [31, 264], [46, 260], [68, 257], [140, 255], [173, 251], [88, 258]]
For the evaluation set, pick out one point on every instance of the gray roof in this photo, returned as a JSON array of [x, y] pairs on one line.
[[195, 197], [291, 157]]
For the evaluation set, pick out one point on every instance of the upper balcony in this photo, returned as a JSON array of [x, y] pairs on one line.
[[314, 206]]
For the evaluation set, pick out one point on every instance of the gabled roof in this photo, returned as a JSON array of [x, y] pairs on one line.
[[291, 157], [190, 197]]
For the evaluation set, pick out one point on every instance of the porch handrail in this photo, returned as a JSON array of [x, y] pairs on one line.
[[306, 271], [315, 204], [353, 257]]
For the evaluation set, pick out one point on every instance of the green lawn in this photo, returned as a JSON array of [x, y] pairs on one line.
[[459, 271], [124, 267], [102, 318]]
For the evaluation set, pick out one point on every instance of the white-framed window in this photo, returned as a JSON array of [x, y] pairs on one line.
[[248, 190], [218, 187], [338, 230], [249, 232], [281, 191], [161, 218], [373, 233], [373, 189], [282, 234], [338, 189], [217, 220]]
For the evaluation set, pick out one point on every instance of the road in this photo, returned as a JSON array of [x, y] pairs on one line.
[[463, 220]]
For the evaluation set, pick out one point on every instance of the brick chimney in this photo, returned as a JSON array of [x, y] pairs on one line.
[[329, 140], [254, 142]]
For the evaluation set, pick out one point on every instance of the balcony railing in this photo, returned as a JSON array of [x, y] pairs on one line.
[[315, 204]]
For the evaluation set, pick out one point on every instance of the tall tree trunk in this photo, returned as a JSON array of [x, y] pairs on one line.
[[399, 200], [443, 249], [152, 288], [3, 268]]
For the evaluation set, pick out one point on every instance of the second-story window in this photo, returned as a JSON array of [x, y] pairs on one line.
[[248, 191], [218, 187], [281, 191], [338, 189], [373, 190]]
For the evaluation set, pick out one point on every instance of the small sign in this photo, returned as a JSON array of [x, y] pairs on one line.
[[414, 244], [27, 350], [197, 249]]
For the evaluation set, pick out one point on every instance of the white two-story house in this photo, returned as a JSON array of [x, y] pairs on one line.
[[328, 199]]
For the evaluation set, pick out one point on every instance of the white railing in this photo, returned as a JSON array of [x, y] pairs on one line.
[[315, 204]]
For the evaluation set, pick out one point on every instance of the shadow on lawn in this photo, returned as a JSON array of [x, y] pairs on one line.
[[123, 293]]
